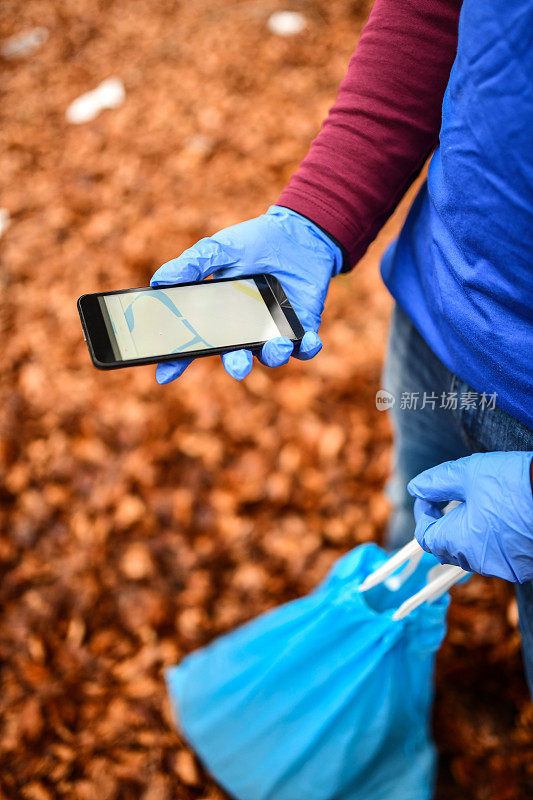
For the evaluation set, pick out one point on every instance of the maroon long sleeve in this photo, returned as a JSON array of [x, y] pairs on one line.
[[383, 125]]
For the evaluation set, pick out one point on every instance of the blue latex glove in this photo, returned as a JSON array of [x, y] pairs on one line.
[[281, 243], [491, 532]]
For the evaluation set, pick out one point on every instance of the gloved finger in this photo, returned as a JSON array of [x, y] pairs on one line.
[[168, 371], [444, 536], [310, 345], [441, 483], [196, 263], [174, 271], [238, 363], [425, 507], [277, 351]]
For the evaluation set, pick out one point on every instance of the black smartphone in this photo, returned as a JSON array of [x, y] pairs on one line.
[[144, 326]]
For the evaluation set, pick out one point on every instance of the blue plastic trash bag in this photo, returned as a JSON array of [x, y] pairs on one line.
[[325, 698]]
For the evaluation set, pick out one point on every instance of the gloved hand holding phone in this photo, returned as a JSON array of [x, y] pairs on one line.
[[281, 243], [491, 531]]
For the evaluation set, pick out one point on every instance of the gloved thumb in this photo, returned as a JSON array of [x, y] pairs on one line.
[[441, 483], [425, 508], [196, 263], [442, 535], [426, 514]]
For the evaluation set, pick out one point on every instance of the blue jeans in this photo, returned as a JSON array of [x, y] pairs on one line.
[[429, 434]]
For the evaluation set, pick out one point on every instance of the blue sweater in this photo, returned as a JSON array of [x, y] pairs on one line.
[[462, 267]]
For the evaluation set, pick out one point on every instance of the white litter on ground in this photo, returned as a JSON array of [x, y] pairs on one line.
[[5, 221], [24, 43], [109, 94], [286, 23]]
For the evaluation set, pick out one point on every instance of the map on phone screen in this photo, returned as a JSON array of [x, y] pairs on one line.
[[153, 322]]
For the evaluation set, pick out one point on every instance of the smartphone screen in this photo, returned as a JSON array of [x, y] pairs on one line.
[[183, 319], [136, 325]]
